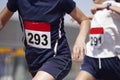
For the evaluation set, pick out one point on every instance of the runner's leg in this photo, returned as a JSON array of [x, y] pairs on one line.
[[83, 75], [42, 75]]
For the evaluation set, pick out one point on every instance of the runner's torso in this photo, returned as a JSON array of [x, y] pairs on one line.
[[104, 34], [35, 13]]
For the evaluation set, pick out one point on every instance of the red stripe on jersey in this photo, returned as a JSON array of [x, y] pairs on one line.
[[37, 26], [98, 30]]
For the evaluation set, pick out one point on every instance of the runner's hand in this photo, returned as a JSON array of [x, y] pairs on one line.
[[97, 7], [79, 49]]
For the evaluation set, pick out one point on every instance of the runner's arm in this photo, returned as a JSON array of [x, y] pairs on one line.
[[103, 6], [79, 47], [5, 15], [115, 9]]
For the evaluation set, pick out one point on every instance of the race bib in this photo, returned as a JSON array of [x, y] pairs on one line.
[[38, 34], [96, 36]]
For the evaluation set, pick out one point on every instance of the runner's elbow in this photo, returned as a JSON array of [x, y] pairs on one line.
[[1, 25]]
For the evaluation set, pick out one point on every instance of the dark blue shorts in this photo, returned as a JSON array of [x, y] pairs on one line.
[[44, 60], [110, 68]]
